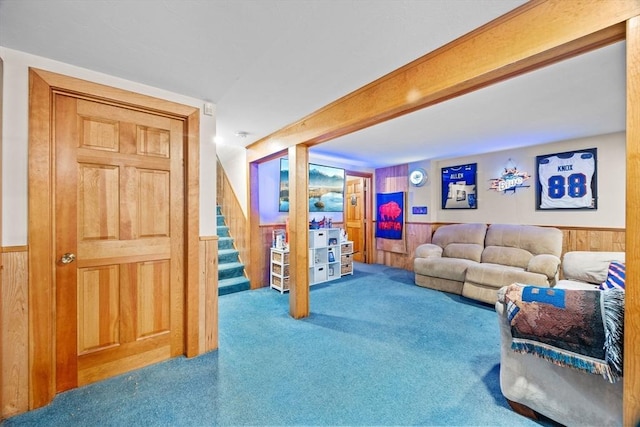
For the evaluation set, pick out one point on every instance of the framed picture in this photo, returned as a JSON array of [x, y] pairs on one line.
[[390, 215], [459, 189], [567, 180], [326, 188], [332, 257]]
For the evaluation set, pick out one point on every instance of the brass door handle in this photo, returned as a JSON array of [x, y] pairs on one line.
[[68, 258]]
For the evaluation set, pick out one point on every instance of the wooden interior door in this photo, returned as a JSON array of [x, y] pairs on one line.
[[355, 218], [119, 239]]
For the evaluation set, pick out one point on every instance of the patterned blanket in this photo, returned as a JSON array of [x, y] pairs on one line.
[[576, 328]]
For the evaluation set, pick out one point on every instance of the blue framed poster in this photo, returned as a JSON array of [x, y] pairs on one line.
[[459, 187], [390, 215], [567, 180]]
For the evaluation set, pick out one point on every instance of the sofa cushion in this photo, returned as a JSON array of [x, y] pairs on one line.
[[546, 264], [444, 268], [615, 277], [460, 233], [507, 256], [536, 240], [497, 276], [587, 266], [426, 250], [468, 251]]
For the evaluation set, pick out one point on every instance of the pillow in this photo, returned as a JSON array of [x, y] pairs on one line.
[[615, 277]]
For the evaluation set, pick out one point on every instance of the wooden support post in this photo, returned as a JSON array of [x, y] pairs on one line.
[[631, 390], [299, 231]]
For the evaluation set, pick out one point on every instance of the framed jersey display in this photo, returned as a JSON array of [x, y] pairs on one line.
[[567, 180], [459, 189]]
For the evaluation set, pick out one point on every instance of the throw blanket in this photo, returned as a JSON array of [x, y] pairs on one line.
[[576, 328]]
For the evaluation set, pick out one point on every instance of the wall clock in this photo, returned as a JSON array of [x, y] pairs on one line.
[[418, 177]]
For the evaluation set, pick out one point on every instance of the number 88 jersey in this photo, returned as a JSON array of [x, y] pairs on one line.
[[566, 181]]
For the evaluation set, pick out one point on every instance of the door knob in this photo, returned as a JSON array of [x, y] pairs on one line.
[[68, 258]]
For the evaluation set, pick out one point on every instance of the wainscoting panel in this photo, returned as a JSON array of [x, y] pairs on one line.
[[574, 239], [208, 309], [14, 322]]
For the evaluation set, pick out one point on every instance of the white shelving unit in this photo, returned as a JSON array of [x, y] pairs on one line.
[[346, 258], [324, 255], [329, 259], [279, 269]]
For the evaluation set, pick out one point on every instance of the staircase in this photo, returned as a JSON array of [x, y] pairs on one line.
[[231, 277]]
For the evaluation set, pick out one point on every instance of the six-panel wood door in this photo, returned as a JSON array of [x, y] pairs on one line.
[[355, 218], [119, 208]]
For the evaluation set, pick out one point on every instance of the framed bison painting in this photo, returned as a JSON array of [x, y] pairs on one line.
[[390, 215], [459, 189]]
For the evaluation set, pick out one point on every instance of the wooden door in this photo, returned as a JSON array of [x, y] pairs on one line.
[[355, 218], [119, 209]]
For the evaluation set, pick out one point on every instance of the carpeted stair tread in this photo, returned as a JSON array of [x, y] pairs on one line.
[[233, 284], [225, 243], [230, 269], [231, 277], [227, 255]]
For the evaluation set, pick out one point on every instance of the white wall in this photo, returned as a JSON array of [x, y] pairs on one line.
[[270, 188], [520, 207], [234, 162], [15, 139]]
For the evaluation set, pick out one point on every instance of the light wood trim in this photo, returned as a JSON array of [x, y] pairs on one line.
[[299, 231], [631, 390], [208, 321], [14, 338], [7, 249], [531, 36], [108, 94], [368, 211], [41, 298], [192, 231], [256, 256]]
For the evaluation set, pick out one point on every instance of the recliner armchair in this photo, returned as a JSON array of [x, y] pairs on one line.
[[533, 385]]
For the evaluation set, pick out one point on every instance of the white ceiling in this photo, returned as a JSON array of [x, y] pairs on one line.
[[268, 63]]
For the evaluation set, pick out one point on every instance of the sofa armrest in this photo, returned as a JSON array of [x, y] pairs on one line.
[[428, 250], [546, 264]]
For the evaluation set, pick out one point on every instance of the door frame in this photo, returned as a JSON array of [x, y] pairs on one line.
[[42, 85], [368, 219]]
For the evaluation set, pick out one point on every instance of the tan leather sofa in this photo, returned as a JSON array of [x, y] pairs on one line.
[[534, 385], [475, 260]]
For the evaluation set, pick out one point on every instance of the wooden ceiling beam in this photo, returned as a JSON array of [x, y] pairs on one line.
[[534, 35]]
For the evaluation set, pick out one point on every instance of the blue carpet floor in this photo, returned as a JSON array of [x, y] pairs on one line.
[[376, 350]]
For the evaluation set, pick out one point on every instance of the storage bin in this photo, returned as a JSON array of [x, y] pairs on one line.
[[347, 248]]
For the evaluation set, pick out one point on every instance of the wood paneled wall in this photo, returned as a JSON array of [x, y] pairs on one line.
[[573, 239], [14, 321], [208, 339], [390, 180], [233, 214]]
